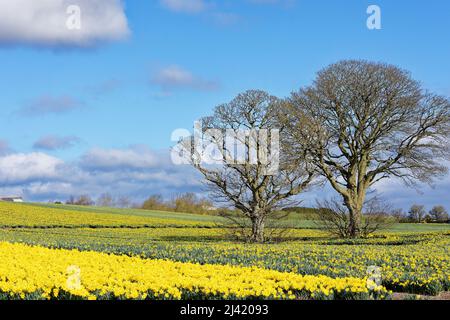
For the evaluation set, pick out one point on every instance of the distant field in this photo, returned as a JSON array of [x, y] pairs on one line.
[[415, 258], [130, 212], [52, 214], [419, 227], [75, 216]]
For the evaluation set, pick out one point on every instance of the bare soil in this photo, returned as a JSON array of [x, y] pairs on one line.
[[407, 296]]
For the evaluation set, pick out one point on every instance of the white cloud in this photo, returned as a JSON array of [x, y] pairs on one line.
[[186, 6], [42, 23], [272, 2], [4, 147], [176, 77], [136, 172], [50, 105], [53, 142], [21, 167], [136, 157], [207, 9], [139, 171], [104, 87]]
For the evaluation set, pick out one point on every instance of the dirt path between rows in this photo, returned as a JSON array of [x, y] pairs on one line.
[[406, 296]]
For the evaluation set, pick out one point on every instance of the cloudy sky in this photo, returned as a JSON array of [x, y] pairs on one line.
[[92, 109]]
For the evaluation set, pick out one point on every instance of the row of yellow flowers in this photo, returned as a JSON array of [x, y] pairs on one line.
[[28, 272], [26, 215], [420, 265]]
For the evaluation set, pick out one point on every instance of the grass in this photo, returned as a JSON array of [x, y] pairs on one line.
[[418, 227]]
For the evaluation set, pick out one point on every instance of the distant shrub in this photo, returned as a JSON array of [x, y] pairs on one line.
[[187, 202], [334, 217], [438, 214], [417, 213], [83, 200], [155, 202]]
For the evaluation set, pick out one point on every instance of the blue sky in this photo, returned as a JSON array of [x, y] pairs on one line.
[[121, 89]]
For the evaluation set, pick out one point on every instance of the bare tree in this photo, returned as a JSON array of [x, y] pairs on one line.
[[245, 173], [155, 202], [362, 122], [124, 202], [105, 200], [334, 217], [417, 213], [439, 214], [398, 215], [239, 227], [84, 200], [377, 215], [71, 200]]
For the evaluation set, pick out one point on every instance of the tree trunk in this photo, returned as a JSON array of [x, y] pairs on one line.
[[354, 223], [258, 223], [355, 214]]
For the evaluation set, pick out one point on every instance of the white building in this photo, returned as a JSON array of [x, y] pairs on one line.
[[11, 199]]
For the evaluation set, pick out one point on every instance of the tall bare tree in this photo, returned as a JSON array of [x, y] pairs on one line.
[[123, 202], [417, 213], [248, 174], [105, 200], [362, 122], [439, 214]]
